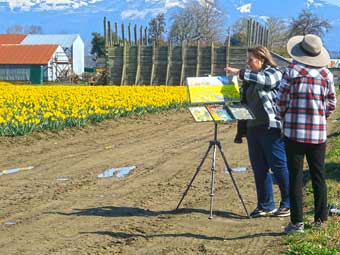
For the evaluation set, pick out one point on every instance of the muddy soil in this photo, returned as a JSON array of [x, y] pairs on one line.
[[61, 207]]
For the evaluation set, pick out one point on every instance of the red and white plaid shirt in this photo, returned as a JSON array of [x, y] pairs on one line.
[[306, 98]]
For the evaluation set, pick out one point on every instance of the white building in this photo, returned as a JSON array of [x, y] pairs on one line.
[[73, 46]]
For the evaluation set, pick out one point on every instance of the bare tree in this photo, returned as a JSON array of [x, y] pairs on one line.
[[278, 33], [33, 29], [182, 28], [157, 28], [198, 22], [308, 23], [239, 32], [16, 29], [19, 29]]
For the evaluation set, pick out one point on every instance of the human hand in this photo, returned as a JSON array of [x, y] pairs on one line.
[[232, 71]]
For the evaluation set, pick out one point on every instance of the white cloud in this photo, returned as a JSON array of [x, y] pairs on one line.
[[173, 3], [180, 3], [332, 2], [140, 14], [47, 5], [244, 8], [264, 18], [314, 3], [207, 2]]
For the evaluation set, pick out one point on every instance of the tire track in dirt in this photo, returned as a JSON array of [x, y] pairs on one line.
[[55, 191], [52, 157], [133, 215]]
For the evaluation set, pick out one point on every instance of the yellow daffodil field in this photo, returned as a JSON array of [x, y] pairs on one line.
[[25, 108]]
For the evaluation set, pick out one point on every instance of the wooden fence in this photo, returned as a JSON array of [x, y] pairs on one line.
[[168, 65], [257, 34], [133, 59]]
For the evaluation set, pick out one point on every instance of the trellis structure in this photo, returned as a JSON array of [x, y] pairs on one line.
[[131, 59]]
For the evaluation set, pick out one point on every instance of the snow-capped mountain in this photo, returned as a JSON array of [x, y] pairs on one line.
[[86, 16]]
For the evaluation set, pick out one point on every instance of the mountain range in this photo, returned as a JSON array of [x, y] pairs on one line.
[[86, 16]]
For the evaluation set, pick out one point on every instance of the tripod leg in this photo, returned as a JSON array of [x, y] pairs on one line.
[[232, 178], [212, 186], [193, 178]]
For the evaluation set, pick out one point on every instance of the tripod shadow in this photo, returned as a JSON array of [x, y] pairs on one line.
[[114, 211], [181, 235], [335, 134], [332, 172]]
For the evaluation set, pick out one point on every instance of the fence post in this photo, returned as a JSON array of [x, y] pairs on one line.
[[129, 33], [256, 34], [168, 64], [146, 36], [183, 62], [264, 36], [141, 35], [253, 37], [105, 32], [123, 33], [109, 34], [259, 36], [125, 50], [212, 59], [152, 78], [269, 43], [138, 63], [198, 64], [135, 33], [248, 32], [227, 49], [116, 33]]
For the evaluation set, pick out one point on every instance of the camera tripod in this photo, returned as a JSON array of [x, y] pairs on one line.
[[213, 144]]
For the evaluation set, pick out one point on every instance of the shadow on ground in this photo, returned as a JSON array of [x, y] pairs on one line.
[[181, 235], [332, 171], [335, 134], [115, 211]]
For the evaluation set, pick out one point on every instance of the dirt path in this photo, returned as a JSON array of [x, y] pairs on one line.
[[131, 215]]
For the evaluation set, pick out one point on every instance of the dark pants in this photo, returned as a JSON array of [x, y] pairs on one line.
[[315, 154], [266, 150]]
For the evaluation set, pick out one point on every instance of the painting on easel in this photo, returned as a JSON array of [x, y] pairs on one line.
[[212, 90]]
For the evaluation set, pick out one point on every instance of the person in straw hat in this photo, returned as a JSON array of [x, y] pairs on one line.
[[306, 98]]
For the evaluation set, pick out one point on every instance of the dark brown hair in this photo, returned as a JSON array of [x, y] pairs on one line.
[[262, 52]]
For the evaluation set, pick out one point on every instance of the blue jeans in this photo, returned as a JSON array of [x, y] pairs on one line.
[[266, 150]]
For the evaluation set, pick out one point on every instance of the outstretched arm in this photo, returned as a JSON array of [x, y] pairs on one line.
[[266, 79]]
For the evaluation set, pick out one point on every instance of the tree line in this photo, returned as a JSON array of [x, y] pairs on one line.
[[29, 29], [204, 23]]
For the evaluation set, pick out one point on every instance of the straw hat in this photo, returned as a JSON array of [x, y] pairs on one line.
[[308, 50]]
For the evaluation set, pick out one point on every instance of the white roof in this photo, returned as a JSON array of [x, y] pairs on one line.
[[64, 40], [337, 63]]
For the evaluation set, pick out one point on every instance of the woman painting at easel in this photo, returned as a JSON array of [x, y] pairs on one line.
[[265, 145]]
